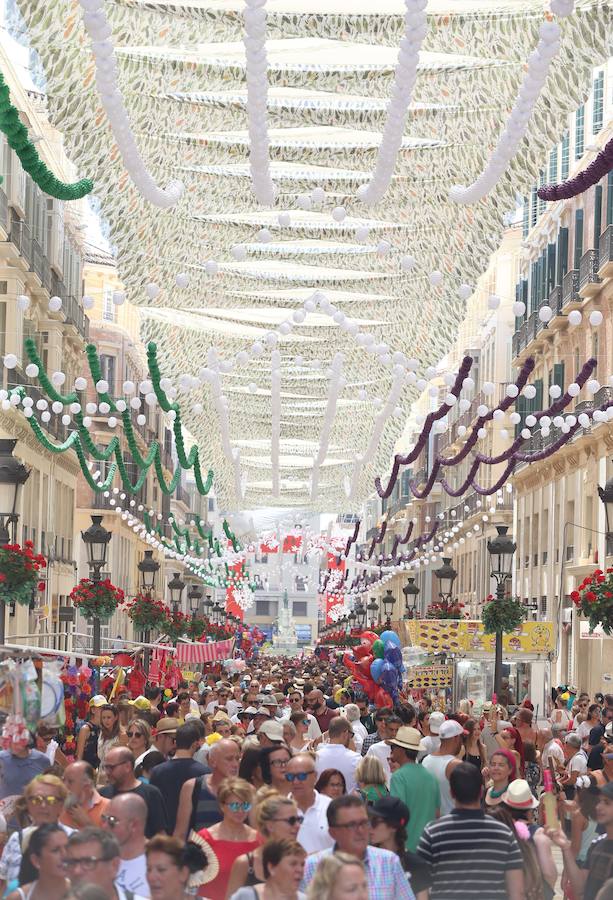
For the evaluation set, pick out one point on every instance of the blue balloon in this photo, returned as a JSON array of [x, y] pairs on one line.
[[376, 667], [393, 654], [389, 679], [390, 636]]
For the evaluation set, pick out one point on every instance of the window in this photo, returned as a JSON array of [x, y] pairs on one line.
[[598, 103], [108, 307], [533, 205], [595, 349], [562, 254], [541, 203], [565, 156], [211, 504], [526, 218], [578, 253], [579, 132], [107, 368], [266, 608], [610, 198], [300, 608], [597, 215], [552, 172]]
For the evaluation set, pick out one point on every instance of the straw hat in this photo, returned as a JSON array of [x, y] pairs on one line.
[[519, 796]]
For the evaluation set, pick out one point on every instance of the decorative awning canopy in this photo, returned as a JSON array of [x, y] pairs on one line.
[[251, 269]]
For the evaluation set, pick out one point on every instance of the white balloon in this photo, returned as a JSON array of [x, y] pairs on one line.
[[80, 383], [152, 290], [10, 361], [596, 318], [23, 302], [55, 304], [182, 280], [574, 317]]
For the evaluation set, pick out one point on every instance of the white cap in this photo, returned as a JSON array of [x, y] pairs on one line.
[[450, 729], [435, 722]]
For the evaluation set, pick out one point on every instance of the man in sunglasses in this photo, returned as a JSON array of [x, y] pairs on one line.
[[119, 769], [125, 819], [296, 704], [301, 776], [92, 857]]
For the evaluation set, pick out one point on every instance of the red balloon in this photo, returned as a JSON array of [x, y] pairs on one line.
[[382, 698], [365, 664], [361, 651], [369, 637]]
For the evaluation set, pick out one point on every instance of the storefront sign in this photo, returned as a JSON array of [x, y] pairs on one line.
[[467, 636], [423, 677], [596, 635]]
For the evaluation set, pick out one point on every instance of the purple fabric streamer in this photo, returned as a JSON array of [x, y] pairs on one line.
[[353, 538], [583, 180]]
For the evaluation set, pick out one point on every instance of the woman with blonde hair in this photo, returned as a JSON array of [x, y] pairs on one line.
[[370, 777], [276, 817], [338, 876], [139, 739], [44, 798], [230, 838]]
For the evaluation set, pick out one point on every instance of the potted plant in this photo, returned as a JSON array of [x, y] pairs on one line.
[[96, 598], [502, 615], [175, 625], [445, 609], [146, 613], [594, 599], [19, 568]]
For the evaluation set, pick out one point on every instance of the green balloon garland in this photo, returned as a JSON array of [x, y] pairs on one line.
[[18, 140]]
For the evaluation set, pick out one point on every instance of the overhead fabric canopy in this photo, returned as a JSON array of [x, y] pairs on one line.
[[331, 66]]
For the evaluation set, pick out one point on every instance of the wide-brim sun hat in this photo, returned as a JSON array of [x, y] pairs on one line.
[[519, 796]]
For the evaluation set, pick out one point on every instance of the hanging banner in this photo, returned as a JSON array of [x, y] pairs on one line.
[[292, 543], [231, 605], [467, 636], [200, 653], [335, 582]]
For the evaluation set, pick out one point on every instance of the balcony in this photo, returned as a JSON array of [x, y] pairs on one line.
[[605, 253], [519, 339], [570, 287], [589, 280], [75, 315], [555, 300], [19, 235], [4, 211]]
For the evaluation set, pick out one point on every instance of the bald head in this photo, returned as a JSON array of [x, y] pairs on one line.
[[224, 758], [129, 806]]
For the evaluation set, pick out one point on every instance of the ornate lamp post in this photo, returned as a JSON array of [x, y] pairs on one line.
[[501, 550], [194, 595], [353, 618], [606, 495], [148, 568], [176, 585], [411, 593], [96, 539], [446, 576], [388, 605], [13, 475], [360, 612], [208, 607], [373, 609]]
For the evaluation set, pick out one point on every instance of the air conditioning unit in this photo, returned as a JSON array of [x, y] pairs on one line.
[[55, 235], [16, 188]]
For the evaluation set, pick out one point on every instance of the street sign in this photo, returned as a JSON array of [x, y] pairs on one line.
[[66, 614]]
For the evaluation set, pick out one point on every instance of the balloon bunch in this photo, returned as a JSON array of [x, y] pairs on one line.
[[377, 665]]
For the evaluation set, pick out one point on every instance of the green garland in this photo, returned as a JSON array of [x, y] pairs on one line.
[[502, 615], [81, 439], [17, 137]]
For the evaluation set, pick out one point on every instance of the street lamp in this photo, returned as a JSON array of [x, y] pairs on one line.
[[501, 550], [176, 586], [411, 593], [606, 495], [360, 612], [388, 605], [208, 606], [148, 568], [353, 618], [373, 609], [446, 576], [13, 474], [96, 539], [194, 595]]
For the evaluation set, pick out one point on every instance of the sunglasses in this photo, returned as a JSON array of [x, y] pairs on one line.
[[86, 863], [49, 800], [111, 821], [236, 806], [305, 722], [298, 776], [132, 734], [279, 763], [291, 820]]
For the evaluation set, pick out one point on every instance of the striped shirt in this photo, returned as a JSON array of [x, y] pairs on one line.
[[469, 855]]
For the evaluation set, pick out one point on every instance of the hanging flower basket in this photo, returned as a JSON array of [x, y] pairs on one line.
[[196, 628], [96, 598], [175, 625], [444, 609], [594, 599], [502, 615], [19, 568], [146, 614]]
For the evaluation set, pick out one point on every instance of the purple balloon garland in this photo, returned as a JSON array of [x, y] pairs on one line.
[[580, 183]]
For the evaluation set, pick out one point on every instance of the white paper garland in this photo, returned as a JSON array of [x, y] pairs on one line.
[[329, 415], [275, 407], [416, 26], [254, 39], [99, 31], [517, 125]]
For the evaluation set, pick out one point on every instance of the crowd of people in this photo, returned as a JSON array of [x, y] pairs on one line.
[[282, 782]]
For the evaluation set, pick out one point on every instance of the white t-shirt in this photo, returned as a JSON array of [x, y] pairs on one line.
[[335, 756], [382, 751], [552, 751], [314, 834], [577, 763], [132, 875], [429, 744]]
